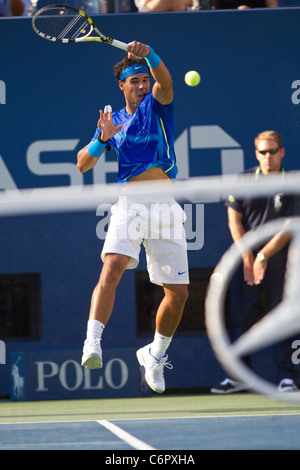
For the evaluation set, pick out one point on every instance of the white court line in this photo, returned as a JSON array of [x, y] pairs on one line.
[[152, 419], [125, 436]]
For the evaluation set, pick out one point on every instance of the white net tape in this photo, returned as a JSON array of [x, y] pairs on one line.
[[83, 198], [279, 324]]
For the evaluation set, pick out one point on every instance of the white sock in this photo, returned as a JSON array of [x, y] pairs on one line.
[[160, 345], [94, 329]]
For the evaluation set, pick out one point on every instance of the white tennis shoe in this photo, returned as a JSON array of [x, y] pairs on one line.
[[92, 354], [287, 385], [154, 368]]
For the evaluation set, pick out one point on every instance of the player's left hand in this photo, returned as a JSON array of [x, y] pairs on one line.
[[137, 49]]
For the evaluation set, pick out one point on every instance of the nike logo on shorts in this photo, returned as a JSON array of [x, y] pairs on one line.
[[180, 273]]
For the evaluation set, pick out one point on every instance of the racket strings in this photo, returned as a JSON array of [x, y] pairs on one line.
[[82, 30], [69, 28], [63, 24]]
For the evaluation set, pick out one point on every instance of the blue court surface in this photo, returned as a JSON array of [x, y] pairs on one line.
[[159, 423]]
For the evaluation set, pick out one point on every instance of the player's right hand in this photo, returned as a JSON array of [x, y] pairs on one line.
[[106, 124]]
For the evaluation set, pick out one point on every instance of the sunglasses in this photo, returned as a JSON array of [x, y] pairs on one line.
[[271, 151]]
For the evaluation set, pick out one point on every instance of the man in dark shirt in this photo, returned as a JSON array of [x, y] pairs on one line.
[[263, 269]]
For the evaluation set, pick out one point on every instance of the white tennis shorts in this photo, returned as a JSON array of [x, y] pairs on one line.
[[156, 225]]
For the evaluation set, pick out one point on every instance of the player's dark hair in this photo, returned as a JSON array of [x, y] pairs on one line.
[[126, 62]]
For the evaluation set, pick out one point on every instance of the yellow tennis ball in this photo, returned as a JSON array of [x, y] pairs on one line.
[[192, 78]]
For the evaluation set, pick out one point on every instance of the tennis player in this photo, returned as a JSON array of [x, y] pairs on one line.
[[142, 136]]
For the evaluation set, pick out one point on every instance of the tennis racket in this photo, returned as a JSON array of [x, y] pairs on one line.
[[61, 23]]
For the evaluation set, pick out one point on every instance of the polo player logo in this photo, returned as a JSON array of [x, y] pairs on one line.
[[18, 380]]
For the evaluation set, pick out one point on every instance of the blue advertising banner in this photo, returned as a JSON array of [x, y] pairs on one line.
[[59, 376]]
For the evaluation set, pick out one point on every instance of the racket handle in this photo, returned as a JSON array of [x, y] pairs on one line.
[[119, 44]]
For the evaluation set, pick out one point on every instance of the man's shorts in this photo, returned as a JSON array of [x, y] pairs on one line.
[[156, 225]]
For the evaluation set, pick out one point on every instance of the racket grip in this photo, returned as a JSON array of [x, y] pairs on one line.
[[119, 44]]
